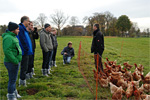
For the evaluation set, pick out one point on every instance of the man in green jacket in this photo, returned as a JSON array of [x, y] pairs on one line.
[[12, 59]]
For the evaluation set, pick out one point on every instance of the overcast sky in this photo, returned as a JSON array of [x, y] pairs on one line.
[[137, 10]]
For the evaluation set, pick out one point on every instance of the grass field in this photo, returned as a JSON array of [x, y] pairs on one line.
[[66, 82]]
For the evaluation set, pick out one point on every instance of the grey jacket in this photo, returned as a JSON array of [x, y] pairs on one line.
[[55, 43], [46, 41]]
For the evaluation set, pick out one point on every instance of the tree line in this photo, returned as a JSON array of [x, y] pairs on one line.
[[109, 25]]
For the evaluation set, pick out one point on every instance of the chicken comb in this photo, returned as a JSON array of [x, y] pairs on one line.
[[111, 78], [127, 96], [135, 92], [132, 83]]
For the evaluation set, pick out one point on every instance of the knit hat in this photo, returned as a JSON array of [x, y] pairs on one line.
[[46, 25], [12, 26]]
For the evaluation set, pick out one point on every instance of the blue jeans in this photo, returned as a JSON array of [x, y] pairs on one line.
[[13, 74], [67, 59]]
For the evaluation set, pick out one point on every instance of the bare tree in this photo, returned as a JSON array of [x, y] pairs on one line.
[[74, 20], [108, 18], [59, 19], [41, 20], [89, 21]]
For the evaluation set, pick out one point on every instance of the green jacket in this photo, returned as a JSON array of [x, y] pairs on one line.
[[11, 48]]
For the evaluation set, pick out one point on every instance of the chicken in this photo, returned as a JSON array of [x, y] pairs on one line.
[[129, 90], [140, 68], [137, 95], [122, 83], [146, 79], [107, 71], [116, 67], [128, 66], [146, 87], [114, 88], [103, 75], [136, 83], [114, 79], [111, 62], [107, 66], [127, 75], [121, 70], [141, 89], [116, 73], [117, 95], [147, 97], [103, 82], [148, 74], [136, 76]]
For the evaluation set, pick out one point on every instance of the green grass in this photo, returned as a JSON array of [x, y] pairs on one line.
[[66, 82]]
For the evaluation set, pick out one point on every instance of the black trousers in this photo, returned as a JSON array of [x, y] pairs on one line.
[[100, 65], [24, 66], [30, 64], [46, 59], [54, 54]]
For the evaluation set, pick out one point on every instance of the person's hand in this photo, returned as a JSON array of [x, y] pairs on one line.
[[65, 53]]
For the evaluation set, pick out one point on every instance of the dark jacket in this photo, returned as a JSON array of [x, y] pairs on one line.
[[33, 35], [69, 51], [24, 40], [54, 39], [97, 43], [46, 41]]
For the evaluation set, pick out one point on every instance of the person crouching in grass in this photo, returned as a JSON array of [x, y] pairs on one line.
[[12, 59], [68, 53]]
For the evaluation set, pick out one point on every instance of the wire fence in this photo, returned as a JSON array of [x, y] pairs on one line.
[[86, 65]]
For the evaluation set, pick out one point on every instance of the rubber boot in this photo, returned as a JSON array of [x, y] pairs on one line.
[[11, 96], [28, 76], [33, 71], [54, 63], [22, 82], [44, 72], [48, 71], [17, 95]]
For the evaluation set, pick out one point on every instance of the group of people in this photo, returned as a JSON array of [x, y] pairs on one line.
[[19, 50]]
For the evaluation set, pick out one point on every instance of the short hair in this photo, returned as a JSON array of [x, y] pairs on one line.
[[53, 29], [24, 18], [69, 43], [96, 25], [30, 22]]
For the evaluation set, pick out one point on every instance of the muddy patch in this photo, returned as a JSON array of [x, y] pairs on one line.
[[32, 91]]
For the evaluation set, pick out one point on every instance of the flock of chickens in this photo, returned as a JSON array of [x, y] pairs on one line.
[[123, 82]]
